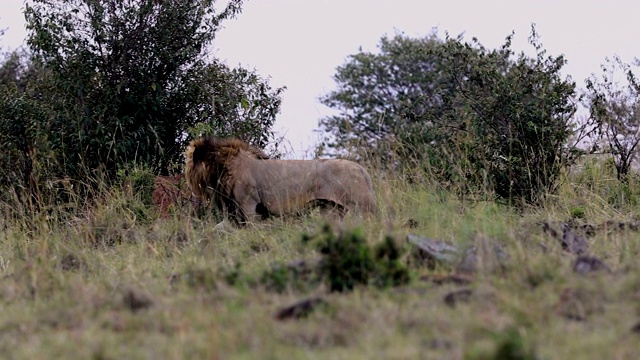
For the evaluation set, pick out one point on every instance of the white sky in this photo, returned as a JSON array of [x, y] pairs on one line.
[[299, 43]]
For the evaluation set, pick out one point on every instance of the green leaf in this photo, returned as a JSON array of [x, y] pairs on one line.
[[244, 103]]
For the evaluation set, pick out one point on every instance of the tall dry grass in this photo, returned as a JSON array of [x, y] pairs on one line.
[[109, 278]]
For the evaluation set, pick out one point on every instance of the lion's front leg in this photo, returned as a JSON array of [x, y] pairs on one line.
[[250, 211], [239, 215]]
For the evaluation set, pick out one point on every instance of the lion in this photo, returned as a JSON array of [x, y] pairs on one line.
[[247, 186]]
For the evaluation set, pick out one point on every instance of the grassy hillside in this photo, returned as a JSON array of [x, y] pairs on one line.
[[114, 280]]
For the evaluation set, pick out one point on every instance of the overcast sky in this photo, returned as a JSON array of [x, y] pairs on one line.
[[299, 43]]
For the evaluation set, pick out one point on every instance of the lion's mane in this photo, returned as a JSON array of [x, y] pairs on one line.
[[209, 168]]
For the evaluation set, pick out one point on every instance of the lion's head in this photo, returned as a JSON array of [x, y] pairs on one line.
[[209, 166]]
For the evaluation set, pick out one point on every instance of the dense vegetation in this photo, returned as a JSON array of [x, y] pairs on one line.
[[498, 237], [115, 280], [477, 118], [109, 85]]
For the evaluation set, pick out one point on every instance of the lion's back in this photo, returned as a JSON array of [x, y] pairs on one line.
[[346, 183], [289, 184]]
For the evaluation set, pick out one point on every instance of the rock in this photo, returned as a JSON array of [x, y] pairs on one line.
[[71, 262], [411, 224], [136, 300], [300, 309], [481, 253], [437, 250], [457, 279], [572, 242], [457, 296], [587, 264]]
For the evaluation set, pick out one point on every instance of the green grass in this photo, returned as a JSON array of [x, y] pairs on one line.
[[113, 281]]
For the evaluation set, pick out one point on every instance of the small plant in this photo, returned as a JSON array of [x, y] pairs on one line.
[[297, 276], [509, 345], [578, 212], [512, 346], [349, 261], [391, 270], [137, 181]]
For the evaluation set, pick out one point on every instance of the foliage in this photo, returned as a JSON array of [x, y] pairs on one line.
[[235, 102], [392, 269], [509, 345], [616, 109], [598, 176], [108, 83], [138, 180], [378, 93], [297, 276], [479, 119], [348, 261], [25, 152], [577, 212]]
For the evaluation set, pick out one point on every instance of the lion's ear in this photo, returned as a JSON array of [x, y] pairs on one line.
[[257, 153]]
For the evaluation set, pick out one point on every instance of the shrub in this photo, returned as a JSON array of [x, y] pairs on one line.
[[348, 261]]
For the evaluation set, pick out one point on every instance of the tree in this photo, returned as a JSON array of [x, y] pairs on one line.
[[235, 102], [479, 119], [616, 108], [22, 139], [379, 94], [129, 78]]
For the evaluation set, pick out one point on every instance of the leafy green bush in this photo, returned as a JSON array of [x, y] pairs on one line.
[[479, 120], [109, 83], [138, 181], [392, 271], [348, 261]]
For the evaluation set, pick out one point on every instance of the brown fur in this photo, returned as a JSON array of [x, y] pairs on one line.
[[243, 182], [170, 192]]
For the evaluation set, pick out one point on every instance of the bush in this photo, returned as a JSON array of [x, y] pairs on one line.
[[109, 83], [348, 261], [479, 120], [137, 181]]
